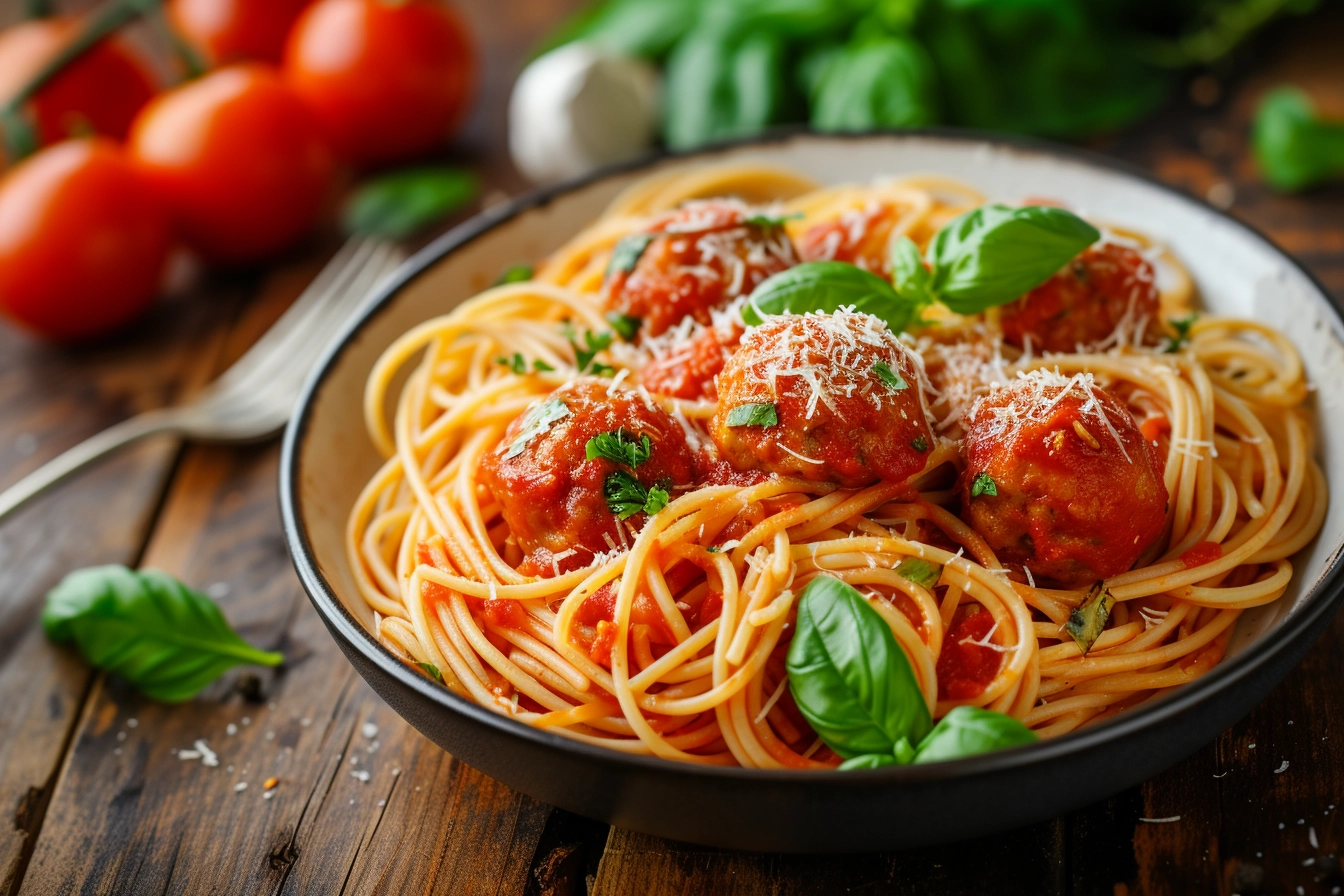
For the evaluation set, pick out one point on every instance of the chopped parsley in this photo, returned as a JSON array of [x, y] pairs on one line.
[[1087, 621], [890, 378], [920, 444], [771, 222], [627, 496], [432, 671], [626, 325], [536, 421], [515, 273], [584, 354], [753, 415], [518, 364], [619, 448], [921, 572], [625, 255], [1182, 325], [982, 484], [714, 549]]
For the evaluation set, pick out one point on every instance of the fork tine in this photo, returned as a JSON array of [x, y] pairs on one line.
[[294, 327]]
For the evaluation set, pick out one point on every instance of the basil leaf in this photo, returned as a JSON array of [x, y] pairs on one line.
[[168, 640], [887, 83], [1181, 326], [399, 205], [983, 484], [627, 251], [849, 677], [912, 279], [867, 761], [826, 287], [921, 572], [969, 730], [618, 448], [1294, 147], [994, 254], [722, 82], [753, 415], [1087, 621]]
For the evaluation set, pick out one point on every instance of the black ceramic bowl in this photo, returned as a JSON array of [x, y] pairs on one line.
[[327, 460]]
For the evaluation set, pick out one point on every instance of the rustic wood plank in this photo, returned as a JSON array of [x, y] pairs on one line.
[[1027, 861], [419, 822], [50, 399]]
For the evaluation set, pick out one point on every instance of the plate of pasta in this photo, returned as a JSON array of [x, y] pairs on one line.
[[828, 493]]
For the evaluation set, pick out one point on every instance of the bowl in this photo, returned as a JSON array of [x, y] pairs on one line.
[[328, 457]]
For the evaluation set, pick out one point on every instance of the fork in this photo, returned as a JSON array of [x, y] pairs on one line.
[[253, 399]]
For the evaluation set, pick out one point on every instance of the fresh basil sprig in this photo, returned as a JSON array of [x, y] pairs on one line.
[[849, 677], [826, 287], [989, 256], [968, 730], [168, 640], [854, 685]]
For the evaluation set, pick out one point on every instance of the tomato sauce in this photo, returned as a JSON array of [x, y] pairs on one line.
[[1201, 554], [966, 669]]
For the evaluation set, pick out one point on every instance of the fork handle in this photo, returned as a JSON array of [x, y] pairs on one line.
[[72, 461]]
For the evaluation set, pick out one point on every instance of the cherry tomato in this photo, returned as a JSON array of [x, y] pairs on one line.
[[82, 240], [239, 160], [233, 30], [100, 92], [387, 80]]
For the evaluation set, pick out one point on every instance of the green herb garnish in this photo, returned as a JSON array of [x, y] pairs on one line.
[[626, 325], [627, 251], [1087, 621], [618, 448], [518, 364], [515, 273], [432, 671], [825, 287], [983, 484], [920, 571], [1182, 325], [627, 496], [920, 444], [763, 414], [168, 640], [536, 421], [890, 378], [583, 356], [771, 222]]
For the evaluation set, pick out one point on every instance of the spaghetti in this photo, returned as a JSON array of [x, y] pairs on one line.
[[666, 637]]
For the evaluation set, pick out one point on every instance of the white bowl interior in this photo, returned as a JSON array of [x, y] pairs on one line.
[[1235, 271]]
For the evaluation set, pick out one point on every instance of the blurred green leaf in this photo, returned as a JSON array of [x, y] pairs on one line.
[[643, 28], [1293, 146], [719, 85], [398, 205], [882, 84]]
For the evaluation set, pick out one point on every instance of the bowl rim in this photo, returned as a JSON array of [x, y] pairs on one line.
[[1321, 601]]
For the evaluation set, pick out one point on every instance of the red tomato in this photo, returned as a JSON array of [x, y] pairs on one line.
[[239, 160], [82, 240], [99, 92], [387, 80], [232, 30]]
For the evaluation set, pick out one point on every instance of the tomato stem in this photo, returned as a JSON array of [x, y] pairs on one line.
[[193, 66], [97, 27]]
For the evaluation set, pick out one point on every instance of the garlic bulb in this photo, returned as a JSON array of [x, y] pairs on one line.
[[579, 107]]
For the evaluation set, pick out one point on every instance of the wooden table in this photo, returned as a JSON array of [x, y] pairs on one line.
[[93, 798]]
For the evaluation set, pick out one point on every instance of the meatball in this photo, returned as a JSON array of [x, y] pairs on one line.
[[696, 259], [830, 397], [1105, 289], [552, 496], [1059, 480], [860, 236], [687, 368]]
